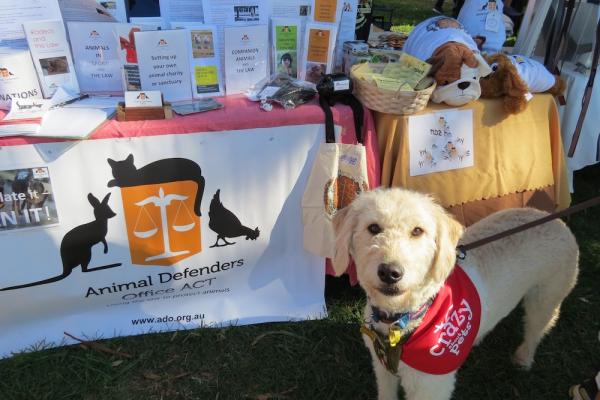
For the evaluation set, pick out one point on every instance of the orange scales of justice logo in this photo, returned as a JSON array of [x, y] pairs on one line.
[[162, 227]]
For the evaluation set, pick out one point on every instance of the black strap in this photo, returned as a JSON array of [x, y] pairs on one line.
[[587, 95], [357, 111]]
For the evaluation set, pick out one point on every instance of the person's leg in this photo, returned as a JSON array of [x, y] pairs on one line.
[[438, 7], [457, 6]]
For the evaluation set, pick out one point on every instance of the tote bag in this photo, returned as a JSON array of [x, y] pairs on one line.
[[338, 175]]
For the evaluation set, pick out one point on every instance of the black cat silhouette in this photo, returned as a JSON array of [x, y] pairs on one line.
[[76, 245], [160, 171], [225, 224]]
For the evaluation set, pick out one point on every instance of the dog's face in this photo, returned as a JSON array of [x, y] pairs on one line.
[[401, 242], [457, 70], [504, 81]]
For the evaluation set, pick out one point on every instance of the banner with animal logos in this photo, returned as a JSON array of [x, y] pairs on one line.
[[440, 141], [160, 233]]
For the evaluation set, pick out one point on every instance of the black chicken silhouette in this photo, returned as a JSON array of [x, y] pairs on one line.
[[225, 224], [76, 245]]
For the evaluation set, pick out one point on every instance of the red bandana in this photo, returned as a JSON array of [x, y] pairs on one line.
[[444, 339]]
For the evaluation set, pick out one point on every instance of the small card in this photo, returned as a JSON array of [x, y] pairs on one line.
[[492, 21], [143, 98]]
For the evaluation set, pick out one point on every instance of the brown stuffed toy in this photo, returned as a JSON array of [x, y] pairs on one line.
[[514, 77]]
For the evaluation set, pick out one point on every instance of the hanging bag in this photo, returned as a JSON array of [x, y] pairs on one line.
[[338, 175]]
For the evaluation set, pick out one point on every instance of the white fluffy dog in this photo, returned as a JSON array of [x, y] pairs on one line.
[[403, 245]]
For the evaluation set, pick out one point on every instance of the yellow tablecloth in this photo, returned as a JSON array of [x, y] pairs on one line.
[[513, 154]]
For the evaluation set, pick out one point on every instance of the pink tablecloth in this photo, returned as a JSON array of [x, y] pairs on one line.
[[238, 113]]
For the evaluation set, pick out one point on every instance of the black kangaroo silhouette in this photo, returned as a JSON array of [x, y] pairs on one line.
[[76, 245], [160, 171], [225, 224]]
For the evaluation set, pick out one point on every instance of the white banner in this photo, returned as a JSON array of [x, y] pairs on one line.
[[162, 233]]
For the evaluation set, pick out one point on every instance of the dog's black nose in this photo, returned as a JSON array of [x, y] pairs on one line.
[[389, 273], [464, 85]]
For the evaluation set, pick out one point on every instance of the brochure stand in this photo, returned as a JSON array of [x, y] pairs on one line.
[[144, 113]]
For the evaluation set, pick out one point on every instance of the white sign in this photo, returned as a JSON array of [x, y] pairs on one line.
[[164, 64], [440, 141], [96, 57], [148, 98], [181, 10], [170, 235], [18, 79], [52, 57], [246, 57]]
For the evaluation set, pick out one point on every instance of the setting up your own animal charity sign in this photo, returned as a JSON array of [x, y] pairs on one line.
[[157, 233]]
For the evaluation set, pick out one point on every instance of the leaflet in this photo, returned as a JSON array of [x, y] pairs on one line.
[[128, 55], [347, 31], [164, 63], [18, 79], [14, 12], [318, 57], [205, 60], [51, 56], [328, 11], [96, 57], [246, 57], [285, 33]]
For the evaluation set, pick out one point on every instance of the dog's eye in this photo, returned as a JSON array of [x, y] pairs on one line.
[[494, 67], [374, 229], [445, 83], [416, 232]]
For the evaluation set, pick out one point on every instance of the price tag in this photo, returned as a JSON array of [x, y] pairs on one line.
[[492, 21]]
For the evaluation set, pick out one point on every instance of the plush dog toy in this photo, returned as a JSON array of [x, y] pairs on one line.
[[514, 77], [455, 59]]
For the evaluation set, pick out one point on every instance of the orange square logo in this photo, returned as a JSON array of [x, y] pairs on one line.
[[162, 227]]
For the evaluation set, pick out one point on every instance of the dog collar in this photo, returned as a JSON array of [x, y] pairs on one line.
[[399, 319], [389, 348]]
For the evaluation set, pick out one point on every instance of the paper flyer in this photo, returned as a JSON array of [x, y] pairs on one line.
[[347, 31], [84, 11], [440, 141], [51, 56], [128, 55], [319, 42], [95, 52], [14, 12], [116, 8], [246, 57], [164, 63], [18, 79], [205, 60], [150, 23], [327, 11], [26, 199], [285, 33], [181, 10]]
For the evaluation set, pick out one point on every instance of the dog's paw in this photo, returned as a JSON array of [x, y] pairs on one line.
[[523, 358]]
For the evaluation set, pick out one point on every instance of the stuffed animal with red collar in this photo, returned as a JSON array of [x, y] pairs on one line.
[[456, 62], [515, 77]]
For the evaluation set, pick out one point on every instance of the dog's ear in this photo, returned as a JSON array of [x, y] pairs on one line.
[[343, 222], [515, 90], [448, 233]]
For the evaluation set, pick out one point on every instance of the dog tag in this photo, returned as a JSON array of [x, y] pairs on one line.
[[492, 21]]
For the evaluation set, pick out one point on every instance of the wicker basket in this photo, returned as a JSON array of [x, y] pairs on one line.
[[389, 101]]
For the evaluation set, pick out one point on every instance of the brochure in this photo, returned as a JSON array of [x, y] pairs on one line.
[[328, 11], [164, 63], [246, 57], [96, 57], [205, 60], [285, 36], [128, 55], [346, 31], [14, 12], [318, 57], [18, 79], [51, 56]]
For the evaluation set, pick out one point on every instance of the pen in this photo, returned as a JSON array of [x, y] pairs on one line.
[[73, 100]]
